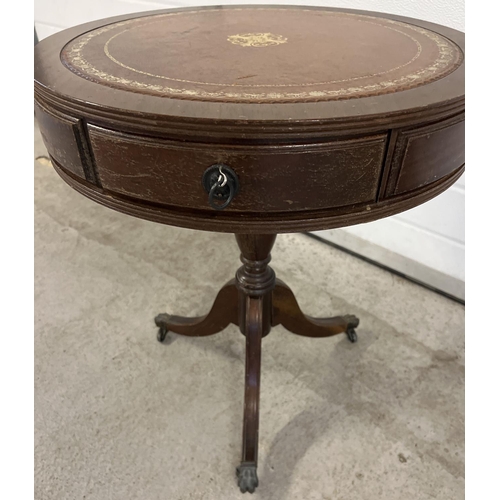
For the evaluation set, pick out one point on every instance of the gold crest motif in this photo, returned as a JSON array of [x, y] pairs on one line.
[[257, 39]]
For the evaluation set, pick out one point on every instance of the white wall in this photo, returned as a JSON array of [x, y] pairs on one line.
[[427, 242], [53, 15]]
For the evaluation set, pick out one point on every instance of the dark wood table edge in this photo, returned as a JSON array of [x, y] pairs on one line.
[[245, 131], [97, 98]]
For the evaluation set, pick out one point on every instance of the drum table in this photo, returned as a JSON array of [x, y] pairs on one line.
[[254, 120]]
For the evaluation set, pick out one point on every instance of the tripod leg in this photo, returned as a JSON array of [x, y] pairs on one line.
[[255, 282], [247, 471], [286, 312], [223, 312]]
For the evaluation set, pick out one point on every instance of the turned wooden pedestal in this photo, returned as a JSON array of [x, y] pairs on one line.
[[255, 301]]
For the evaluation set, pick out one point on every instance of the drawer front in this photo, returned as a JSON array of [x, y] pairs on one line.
[[288, 178], [426, 154], [64, 139]]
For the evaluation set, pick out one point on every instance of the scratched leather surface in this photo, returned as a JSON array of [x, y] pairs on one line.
[[262, 55]]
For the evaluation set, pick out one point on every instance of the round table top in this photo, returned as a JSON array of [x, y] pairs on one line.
[[258, 63], [252, 55], [326, 117]]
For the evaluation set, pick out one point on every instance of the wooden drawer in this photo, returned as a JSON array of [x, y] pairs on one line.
[[65, 141], [271, 178], [425, 154]]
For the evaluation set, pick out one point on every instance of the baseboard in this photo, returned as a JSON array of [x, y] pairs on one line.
[[394, 262]]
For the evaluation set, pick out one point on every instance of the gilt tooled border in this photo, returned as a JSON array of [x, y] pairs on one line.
[[450, 57]]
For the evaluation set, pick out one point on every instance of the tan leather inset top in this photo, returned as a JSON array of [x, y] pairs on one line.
[[261, 55]]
